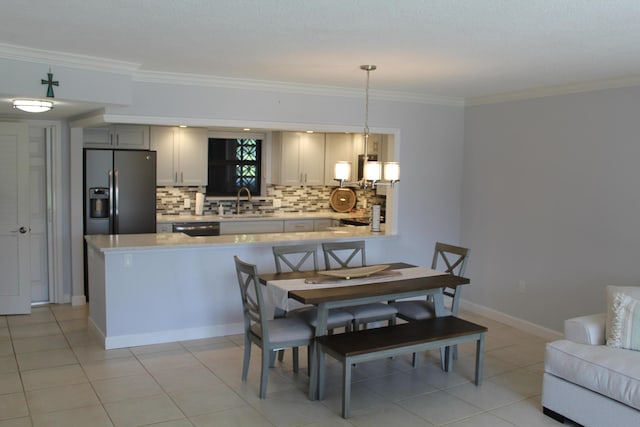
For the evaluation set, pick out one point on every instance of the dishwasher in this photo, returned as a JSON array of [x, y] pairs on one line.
[[197, 228]]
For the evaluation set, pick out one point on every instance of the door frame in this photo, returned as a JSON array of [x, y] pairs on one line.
[[53, 148]]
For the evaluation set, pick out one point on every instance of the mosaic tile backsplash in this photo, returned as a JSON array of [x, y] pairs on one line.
[[171, 200]]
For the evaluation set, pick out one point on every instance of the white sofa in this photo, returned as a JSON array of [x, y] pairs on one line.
[[586, 381]]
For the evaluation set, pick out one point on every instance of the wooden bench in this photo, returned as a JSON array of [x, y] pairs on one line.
[[371, 344]]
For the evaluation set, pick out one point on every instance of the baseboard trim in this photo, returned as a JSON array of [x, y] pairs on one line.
[[521, 324], [78, 300]]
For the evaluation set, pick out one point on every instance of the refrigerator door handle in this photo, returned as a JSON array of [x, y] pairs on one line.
[[111, 201], [116, 216]]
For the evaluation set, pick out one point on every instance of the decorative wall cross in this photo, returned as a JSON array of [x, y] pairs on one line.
[[50, 84]]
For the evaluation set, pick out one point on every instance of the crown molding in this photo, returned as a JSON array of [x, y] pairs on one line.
[[26, 54], [287, 87], [567, 89]]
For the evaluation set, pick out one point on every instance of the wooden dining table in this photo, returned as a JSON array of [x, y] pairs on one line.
[[399, 280]]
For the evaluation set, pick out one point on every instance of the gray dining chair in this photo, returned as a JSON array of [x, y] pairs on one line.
[[352, 254], [268, 335], [449, 259], [296, 258]]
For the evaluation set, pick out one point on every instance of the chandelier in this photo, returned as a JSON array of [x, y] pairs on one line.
[[374, 172]]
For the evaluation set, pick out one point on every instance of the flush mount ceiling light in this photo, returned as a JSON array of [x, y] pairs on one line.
[[375, 173], [32, 105]]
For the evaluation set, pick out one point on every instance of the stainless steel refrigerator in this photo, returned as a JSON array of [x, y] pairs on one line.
[[120, 191]]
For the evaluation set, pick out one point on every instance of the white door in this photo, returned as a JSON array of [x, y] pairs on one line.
[[15, 283]]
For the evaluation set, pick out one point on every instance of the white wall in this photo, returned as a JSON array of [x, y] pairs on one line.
[[551, 201]]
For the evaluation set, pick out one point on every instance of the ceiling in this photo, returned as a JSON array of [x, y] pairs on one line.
[[463, 49]]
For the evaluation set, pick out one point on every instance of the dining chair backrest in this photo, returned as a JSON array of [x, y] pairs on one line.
[[450, 259], [344, 253], [295, 257], [252, 302]]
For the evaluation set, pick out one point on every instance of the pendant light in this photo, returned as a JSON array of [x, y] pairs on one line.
[[374, 173]]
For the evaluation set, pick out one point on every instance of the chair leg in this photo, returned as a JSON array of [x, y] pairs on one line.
[[280, 355], [264, 372], [295, 359], [414, 360], [247, 356], [272, 359]]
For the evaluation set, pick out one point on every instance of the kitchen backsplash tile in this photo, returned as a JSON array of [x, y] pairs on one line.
[[171, 200]]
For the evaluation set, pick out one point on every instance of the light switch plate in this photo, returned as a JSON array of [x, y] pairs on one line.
[[187, 203], [277, 203]]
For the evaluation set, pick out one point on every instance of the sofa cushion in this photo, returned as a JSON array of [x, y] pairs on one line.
[[612, 372], [632, 291], [625, 325]]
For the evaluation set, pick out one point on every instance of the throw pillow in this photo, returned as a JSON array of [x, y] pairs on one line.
[[632, 291], [625, 325]]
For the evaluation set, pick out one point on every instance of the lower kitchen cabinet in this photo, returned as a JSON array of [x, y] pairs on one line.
[[293, 225], [251, 227]]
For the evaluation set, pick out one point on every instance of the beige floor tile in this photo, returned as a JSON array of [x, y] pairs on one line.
[[204, 400], [53, 377], [386, 415], [35, 330], [94, 416], [481, 420], [31, 344], [242, 416], [398, 386], [4, 332], [6, 347], [121, 388], [68, 312], [73, 325], [8, 364], [168, 360], [525, 413], [113, 368], [10, 383], [486, 396], [13, 405], [156, 348], [46, 359], [82, 338], [143, 411], [174, 423], [59, 398], [37, 316], [96, 352], [186, 378], [16, 422], [440, 407], [521, 381]]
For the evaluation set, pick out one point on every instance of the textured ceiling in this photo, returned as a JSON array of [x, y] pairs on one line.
[[453, 48]]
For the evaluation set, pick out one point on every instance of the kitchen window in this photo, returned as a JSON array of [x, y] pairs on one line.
[[234, 163]]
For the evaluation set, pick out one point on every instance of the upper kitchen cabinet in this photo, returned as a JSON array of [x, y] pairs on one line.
[[298, 158], [122, 137], [182, 155], [339, 147]]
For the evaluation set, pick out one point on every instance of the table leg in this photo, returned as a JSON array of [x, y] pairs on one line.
[[318, 358]]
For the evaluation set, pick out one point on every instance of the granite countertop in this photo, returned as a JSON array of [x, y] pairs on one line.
[[152, 241]]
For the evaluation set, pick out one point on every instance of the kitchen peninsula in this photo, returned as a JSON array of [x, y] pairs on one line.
[[165, 287]]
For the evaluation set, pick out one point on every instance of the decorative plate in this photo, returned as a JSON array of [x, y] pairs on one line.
[[349, 273], [342, 199]]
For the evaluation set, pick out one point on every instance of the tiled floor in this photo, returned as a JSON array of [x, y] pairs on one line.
[[53, 373]]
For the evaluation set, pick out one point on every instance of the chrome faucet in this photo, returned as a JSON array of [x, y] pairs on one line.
[[238, 198]]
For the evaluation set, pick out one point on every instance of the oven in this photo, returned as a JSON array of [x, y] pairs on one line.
[[197, 228]]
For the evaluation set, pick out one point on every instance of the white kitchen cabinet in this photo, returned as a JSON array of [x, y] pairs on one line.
[[322, 224], [294, 225], [251, 227], [181, 155], [339, 147], [298, 158], [122, 137]]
